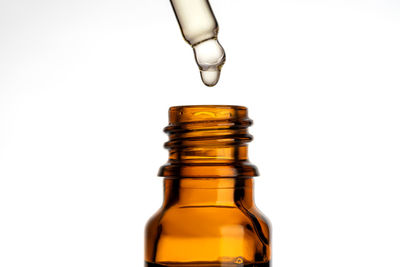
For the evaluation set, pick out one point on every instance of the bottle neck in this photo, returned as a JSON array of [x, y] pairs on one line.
[[192, 192], [208, 142]]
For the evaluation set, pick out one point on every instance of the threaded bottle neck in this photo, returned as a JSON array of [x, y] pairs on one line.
[[208, 142]]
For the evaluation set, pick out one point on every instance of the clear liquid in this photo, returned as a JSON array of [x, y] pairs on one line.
[[148, 264], [200, 29], [210, 57]]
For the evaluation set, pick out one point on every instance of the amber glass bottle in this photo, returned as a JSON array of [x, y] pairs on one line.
[[208, 217]]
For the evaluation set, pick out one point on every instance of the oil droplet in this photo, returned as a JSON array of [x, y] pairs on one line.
[[210, 77], [210, 57]]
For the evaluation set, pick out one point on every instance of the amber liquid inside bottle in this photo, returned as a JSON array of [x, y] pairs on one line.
[[208, 217]]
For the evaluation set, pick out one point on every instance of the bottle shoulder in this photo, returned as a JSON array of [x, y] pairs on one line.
[[213, 220], [202, 231]]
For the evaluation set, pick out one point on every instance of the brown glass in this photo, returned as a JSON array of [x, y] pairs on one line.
[[208, 217]]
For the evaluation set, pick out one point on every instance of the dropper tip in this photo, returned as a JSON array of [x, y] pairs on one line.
[[210, 77]]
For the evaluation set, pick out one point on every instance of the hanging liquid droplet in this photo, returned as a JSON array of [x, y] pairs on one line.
[[210, 57], [200, 29], [210, 77]]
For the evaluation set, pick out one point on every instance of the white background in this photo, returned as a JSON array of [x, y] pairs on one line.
[[84, 91]]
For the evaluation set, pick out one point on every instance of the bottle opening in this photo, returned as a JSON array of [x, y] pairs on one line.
[[208, 141]]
